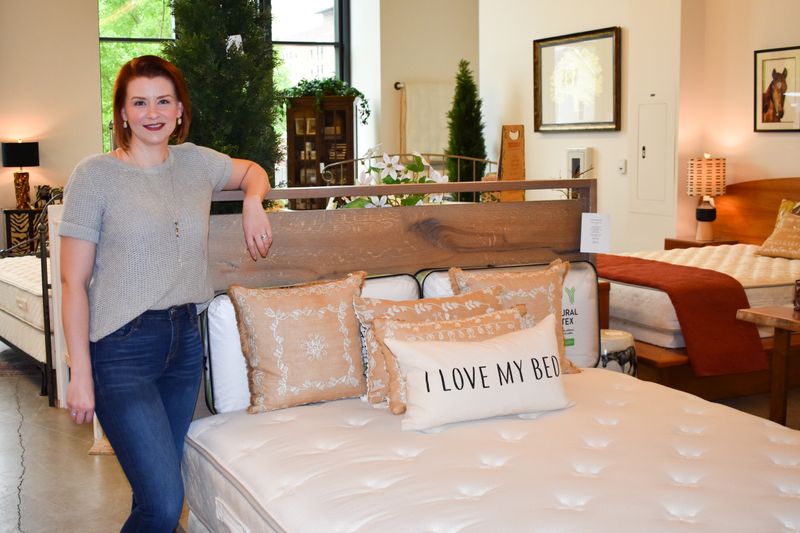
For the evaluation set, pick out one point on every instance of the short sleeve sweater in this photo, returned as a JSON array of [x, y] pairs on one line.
[[151, 231]]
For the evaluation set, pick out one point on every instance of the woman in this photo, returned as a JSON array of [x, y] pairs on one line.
[[133, 269]]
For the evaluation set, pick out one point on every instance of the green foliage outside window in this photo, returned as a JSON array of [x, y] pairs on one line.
[[128, 19], [224, 51]]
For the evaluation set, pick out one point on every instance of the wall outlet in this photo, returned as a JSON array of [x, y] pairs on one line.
[[622, 166]]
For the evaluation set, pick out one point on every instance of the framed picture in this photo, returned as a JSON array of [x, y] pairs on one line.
[[776, 98], [576, 81]]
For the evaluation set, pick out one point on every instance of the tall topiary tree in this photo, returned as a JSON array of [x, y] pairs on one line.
[[225, 52], [465, 121]]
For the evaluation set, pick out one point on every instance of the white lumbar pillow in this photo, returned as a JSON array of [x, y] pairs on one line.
[[510, 374]]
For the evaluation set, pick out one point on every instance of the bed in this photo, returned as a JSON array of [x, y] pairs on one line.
[[621, 454], [25, 309], [745, 214]]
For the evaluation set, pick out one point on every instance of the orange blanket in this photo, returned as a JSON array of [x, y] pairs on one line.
[[705, 302]]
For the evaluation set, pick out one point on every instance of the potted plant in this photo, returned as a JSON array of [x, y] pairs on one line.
[[465, 122], [321, 87]]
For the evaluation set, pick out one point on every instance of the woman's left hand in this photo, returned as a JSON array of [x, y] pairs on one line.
[[257, 229]]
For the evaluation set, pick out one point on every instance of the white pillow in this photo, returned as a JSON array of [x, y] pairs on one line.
[[509, 374], [227, 365]]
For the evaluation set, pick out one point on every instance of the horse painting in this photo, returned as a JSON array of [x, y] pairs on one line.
[[773, 98]]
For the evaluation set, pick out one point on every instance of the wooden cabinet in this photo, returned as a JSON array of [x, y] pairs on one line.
[[21, 227], [317, 136], [690, 242]]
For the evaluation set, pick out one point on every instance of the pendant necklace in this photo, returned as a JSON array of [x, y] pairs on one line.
[[166, 204]]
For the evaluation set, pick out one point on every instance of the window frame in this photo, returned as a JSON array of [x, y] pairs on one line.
[[341, 44]]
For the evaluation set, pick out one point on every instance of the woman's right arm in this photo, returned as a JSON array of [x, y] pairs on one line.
[[77, 261]]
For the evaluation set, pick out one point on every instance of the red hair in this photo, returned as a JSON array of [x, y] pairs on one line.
[[149, 67]]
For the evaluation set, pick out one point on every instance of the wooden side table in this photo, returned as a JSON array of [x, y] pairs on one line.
[[785, 321], [671, 243]]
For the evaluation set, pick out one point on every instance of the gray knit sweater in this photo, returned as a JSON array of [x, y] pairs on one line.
[[143, 261]]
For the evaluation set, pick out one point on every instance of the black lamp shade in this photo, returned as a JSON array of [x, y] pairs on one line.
[[21, 154]]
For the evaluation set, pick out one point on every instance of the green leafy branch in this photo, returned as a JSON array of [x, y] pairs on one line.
[[321, 87]]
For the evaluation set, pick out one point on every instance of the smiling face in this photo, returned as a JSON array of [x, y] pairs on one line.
[[151, 110]]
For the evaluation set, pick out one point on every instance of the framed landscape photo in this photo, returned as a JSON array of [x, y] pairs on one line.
[[576, 81], [776, 97]]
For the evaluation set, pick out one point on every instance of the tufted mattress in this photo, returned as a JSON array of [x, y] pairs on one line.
[[648, 313], [628, 456], [21, 316]]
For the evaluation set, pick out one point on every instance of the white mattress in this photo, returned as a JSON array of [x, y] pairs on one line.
[[648, 313], [21, 316], [21, 288], [628, 456]]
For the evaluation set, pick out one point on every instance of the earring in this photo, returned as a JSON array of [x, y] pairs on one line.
[[124, 124], [180, 121]]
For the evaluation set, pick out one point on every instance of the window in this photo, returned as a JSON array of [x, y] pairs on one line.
[[128, 28], [312, 39]]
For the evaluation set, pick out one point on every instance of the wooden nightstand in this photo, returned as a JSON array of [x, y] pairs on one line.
[[690, 242]]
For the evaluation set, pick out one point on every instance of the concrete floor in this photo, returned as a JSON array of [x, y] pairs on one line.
[[48, 482]]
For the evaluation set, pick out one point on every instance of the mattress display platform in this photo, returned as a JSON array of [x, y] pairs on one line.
[[628, 455], [649, 315]]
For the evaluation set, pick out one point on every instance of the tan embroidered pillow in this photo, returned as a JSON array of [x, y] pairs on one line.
[[368, 309], [785, 239], [474, 328], [787, 207], [301, 343], [539, 290]]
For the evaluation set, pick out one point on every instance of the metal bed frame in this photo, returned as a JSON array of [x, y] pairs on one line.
[[48, 386]]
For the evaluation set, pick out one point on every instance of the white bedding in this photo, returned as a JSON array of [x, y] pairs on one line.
[[648, 313], [21, 316], [628, 456]]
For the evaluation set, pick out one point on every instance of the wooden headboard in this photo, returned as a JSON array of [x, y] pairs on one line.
[[321, 244], [748, 209]]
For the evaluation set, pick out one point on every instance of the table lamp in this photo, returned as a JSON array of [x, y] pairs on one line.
[[706, 178], [21, 154]]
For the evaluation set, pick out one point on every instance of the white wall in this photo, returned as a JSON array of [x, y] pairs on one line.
[[695, 55], [650, 62], [421, 40], [365, 59], [50, 90], [716, 115]]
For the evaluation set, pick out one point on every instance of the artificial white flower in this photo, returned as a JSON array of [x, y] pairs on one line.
[[437, 176], [390, 166], [371, 151], [365, 178], [376, 201]]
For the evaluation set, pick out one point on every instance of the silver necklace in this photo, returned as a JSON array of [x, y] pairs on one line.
[[167, 205]]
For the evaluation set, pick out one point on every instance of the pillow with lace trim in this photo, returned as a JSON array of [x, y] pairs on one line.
[[301, 343], [539, 290]]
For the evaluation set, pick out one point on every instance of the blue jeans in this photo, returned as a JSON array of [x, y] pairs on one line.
[[146, 380]]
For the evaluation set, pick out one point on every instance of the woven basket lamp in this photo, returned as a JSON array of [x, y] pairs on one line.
[[706, 178]]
